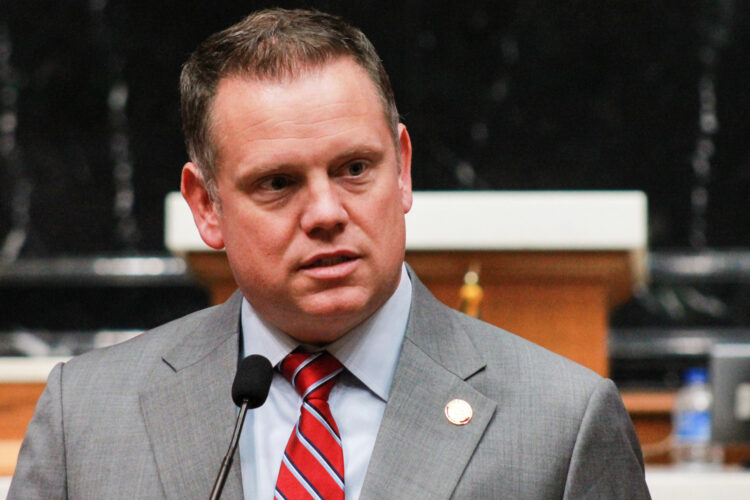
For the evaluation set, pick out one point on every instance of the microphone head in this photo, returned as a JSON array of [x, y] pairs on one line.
[[252, 381]]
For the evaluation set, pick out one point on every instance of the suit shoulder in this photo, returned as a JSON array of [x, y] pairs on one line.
[[138, 353]]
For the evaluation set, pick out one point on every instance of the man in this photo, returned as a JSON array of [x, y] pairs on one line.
[[301, 172]]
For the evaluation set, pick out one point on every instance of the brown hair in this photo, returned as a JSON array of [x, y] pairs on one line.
[[269, 44]]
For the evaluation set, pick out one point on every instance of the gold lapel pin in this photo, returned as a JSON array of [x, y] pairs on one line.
[[458, 412]]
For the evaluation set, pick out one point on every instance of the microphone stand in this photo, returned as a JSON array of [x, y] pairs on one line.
[[226, 464]]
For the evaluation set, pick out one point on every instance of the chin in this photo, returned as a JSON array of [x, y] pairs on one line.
[[340, 305], [335, 309]]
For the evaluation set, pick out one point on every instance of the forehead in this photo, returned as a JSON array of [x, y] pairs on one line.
[[319, 100], [275, 89]]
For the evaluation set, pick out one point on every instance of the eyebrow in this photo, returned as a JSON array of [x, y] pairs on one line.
[[359, 151], [260, 170]]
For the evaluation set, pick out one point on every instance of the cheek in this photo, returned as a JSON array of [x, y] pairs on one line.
[[385, 221], [262, 236]]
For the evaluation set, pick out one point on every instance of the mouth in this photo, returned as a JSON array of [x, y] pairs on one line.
[[328, 261]]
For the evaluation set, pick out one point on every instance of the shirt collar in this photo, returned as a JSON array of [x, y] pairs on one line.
[[369, 351]]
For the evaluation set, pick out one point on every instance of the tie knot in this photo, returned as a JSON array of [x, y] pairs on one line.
[[312, 374]]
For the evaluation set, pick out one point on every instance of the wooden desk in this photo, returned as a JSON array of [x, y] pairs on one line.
[[22, 381], [651, 412], [17, 403]]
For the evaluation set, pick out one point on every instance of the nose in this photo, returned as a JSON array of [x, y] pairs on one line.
[[324, 214]]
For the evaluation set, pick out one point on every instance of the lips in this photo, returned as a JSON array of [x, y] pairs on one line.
[[328, 260]]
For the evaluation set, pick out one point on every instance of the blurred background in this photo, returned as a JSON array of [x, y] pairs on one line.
[[527, 94], [517, 95], [511, 95]]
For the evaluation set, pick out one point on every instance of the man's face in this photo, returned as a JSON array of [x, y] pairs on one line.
[[311, 197]]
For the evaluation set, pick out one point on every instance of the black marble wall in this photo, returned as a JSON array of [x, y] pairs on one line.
[[527, 94]]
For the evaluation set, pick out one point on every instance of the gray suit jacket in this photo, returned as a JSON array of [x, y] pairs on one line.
[[152, 418]]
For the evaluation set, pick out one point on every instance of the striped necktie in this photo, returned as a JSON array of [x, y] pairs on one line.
[[313, 461]]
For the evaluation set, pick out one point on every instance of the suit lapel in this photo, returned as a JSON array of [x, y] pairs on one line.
[[188, 410], [418, 452], [189, 414]]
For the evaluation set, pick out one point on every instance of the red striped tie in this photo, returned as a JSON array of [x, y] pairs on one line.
[[313, 461]]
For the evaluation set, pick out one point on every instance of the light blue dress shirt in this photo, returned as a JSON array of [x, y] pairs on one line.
[[369, 352]]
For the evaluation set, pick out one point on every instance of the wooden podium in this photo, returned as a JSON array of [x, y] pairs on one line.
[[560, 300], [551, 264]]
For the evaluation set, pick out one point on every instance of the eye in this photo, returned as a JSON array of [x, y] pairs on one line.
[[356, 169], [276, 183]]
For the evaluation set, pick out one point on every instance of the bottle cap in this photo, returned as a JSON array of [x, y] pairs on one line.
[[696, 376]]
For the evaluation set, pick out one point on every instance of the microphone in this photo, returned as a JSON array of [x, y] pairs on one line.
[[249, 390]]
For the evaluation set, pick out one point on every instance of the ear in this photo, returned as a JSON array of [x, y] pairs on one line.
[[404, 176], [205, 212]]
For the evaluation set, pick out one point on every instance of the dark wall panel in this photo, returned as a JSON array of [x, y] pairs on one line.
[[496, 95]]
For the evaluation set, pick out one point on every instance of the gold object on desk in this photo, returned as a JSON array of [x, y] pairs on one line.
[[471, 293]]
